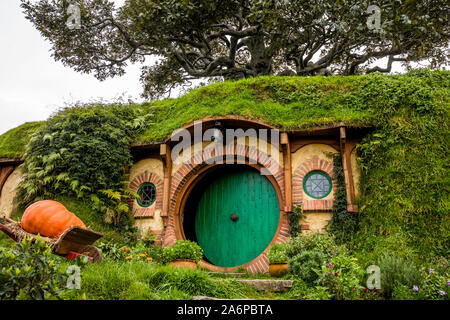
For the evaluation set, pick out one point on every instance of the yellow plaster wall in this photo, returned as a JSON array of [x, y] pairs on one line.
[[9, 192], [306, 153], [317, 221], [152, 166], [145, 224]]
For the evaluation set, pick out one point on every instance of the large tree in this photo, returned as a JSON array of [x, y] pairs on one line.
[[233, 39]]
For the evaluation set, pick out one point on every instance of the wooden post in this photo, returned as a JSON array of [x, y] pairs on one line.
[[286, 145], [4, 174], [347, 168], [165, 152]]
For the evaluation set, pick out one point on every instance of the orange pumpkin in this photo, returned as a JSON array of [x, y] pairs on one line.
[[49, 218]]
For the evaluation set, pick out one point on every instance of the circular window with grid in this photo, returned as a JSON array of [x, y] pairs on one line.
[[317, 184], [147, 195]]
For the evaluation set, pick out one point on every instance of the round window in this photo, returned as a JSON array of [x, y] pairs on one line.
[[317, 184], [147, 195]]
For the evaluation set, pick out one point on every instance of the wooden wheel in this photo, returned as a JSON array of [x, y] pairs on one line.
[[92, 252]]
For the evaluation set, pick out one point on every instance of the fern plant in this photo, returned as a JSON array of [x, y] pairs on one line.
[[82, 152]]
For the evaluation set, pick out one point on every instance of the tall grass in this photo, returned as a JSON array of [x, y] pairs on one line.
[[112, 280]]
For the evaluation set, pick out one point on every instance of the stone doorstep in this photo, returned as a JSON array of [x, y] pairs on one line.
[[269, 285]]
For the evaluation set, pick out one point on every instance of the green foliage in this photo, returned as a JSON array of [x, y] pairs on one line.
[[111, 280], [30, 271], [82, 152], [323, 243], [183, 249], [277, 254], [434, 283], [140, 251], [294, 218], [343, 277], [303, 291], [306, 265], [13, 142], [232, 39], [343, 223], [396, 271]]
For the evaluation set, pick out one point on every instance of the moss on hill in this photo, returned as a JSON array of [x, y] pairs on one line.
[[13, 142], [286, 102], [405, 183]]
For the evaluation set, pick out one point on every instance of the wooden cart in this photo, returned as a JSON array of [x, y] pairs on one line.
[[74, 242]]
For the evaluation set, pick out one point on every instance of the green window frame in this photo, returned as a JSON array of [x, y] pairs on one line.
[[149, 190], [321, 173]]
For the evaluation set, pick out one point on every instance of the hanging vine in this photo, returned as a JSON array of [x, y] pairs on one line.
[[294, 219], [343, 223]]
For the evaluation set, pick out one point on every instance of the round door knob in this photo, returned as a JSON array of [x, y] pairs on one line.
[[234, 217]]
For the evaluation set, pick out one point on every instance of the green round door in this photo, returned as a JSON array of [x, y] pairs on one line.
[[237, 217]]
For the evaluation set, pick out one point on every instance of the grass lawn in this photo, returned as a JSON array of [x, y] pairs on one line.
[[112, 280]]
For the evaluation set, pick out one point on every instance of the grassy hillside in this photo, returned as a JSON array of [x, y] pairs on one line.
[[13, 142], [405, 181]]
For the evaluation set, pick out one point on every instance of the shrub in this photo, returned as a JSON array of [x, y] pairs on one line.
[[277, 254], [436, 281], [141, 251], [396, 271], [294, 218], [306, 264], [29, 271], [183, 249], [342, 276], [402, 292], [343, 224], [323, 243], [82, 152]]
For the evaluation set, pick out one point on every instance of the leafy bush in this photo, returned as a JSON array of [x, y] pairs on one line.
[[82, 152], [306, 264], [323, 243], [277, 254], [183, 249], [396, 271], [30, 271], [141, 251], [436, 281], [294, 218], [342, 276], [343, 224]]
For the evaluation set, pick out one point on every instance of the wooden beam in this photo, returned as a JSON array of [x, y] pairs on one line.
[[4, 174], [286, 145], [347, 168], [297, 143], [165, 152]]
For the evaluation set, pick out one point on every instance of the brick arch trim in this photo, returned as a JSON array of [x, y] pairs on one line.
[[190, 168], [315, 164], [136, 183], [205, 158]]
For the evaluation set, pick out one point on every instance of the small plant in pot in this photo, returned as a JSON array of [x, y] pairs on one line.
[[184, 254], [278, 261]]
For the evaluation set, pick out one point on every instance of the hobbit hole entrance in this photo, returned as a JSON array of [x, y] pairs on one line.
[[233, 213]]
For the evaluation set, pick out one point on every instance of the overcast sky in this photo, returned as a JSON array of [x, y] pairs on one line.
[[33, 85]]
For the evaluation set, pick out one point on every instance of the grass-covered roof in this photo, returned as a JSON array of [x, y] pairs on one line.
[[288, 103]]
